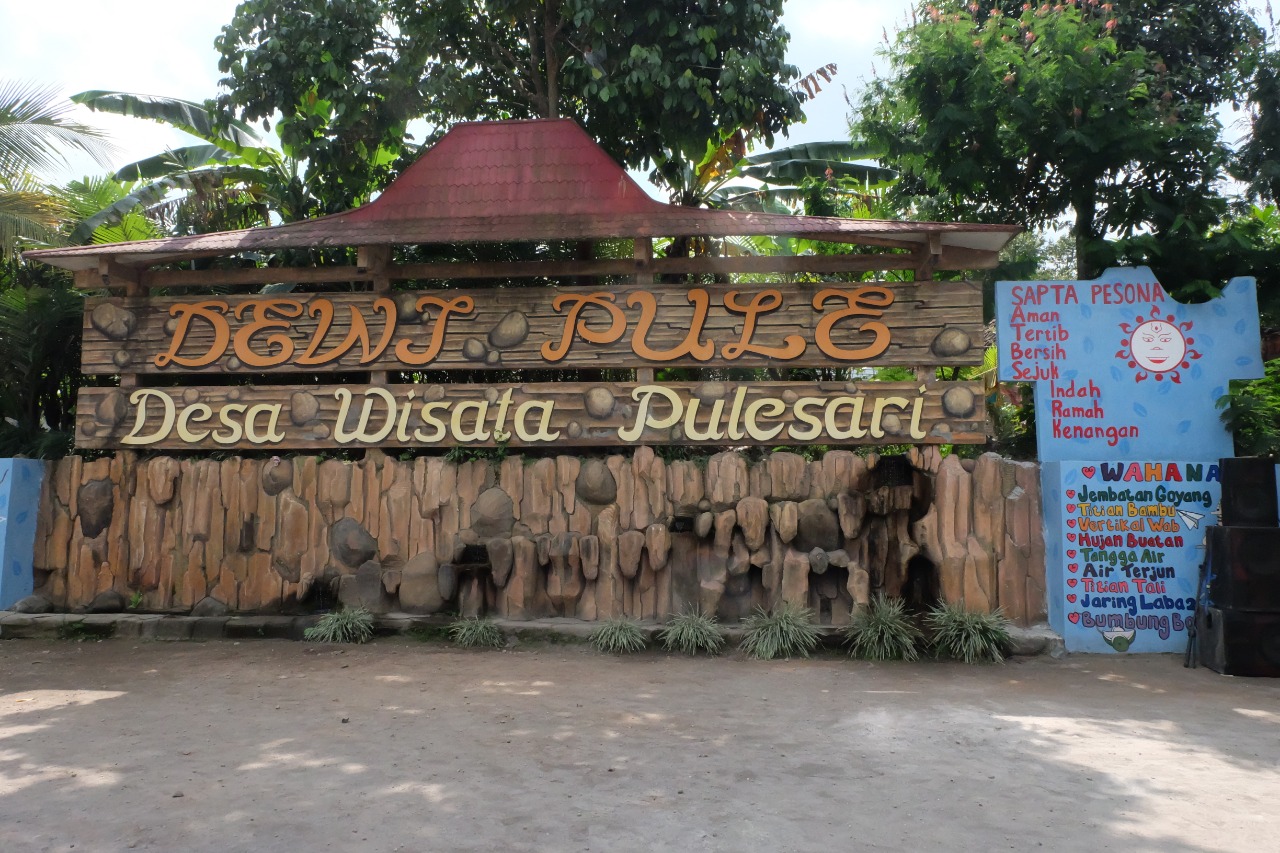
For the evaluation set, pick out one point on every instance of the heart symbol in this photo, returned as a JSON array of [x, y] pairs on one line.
[[1071, 507], [1075, 567], [1071, 537], [1071, 522], [1071, 493], [1089, 471], [1071, 553], [1072, 582], [1074, 617], [1072, 598]]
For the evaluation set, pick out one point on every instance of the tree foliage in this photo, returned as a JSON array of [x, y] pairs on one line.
[[650, 81], [1101, 110]]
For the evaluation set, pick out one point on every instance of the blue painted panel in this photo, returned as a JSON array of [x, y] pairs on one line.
[[1121, 371], [1123, 564], [19, 503], [1126, 386]]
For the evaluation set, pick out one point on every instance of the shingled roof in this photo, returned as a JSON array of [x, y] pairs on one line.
[[517, 181]]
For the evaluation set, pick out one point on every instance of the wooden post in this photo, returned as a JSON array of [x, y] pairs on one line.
[[375, 261]]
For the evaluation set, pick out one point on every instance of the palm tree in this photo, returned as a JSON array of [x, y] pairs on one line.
[[37, 130]]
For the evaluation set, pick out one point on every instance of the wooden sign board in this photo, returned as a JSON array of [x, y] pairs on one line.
[[775, 325], [583, 414]]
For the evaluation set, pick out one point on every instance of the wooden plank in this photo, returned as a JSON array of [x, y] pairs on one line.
[[626, 326], [461, 271], [287, 417]]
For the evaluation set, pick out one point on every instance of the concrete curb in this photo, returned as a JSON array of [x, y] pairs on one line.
[[1028, 642]]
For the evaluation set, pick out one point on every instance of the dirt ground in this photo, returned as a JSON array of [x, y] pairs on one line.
[[279, 746]]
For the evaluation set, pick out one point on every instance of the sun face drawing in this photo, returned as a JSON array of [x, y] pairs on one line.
[[1157, 346]]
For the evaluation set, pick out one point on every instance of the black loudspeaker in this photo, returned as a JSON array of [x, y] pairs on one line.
[[1249, 492], [1236, 643], [1243, 567]]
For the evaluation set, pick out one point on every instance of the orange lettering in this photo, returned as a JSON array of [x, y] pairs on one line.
[[692, 347], [358, 333], [262, 310], [459, 305], [575, 325], [867, 301], [764, 302], [211, 312]]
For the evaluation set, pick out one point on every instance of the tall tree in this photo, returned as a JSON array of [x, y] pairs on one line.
[[650, 80], [1104, 111]]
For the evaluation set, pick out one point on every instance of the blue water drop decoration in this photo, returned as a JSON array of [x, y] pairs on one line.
[[1196, 371], [21, 517], [1184, 427], [1140, 409], [1088, 344], [1219, 308], [1086, 310], [1244, 361], [1115, 373], [1239, 327], [1071, 374]]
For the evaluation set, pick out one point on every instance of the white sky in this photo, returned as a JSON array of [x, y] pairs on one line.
[[165, 47]]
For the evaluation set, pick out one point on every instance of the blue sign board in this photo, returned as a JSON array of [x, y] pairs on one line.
[[1129, 437], [19, 500]]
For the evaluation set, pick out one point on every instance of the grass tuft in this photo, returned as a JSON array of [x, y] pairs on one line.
[[348, 625], [787, 632], [970, 637], [691, 632], [476, 634], [883, 631], [618, 636]]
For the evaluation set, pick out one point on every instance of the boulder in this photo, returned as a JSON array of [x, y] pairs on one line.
[[210, 606], [493, 514], [32, 604], [95, 503], [753, 518], [419, 587], [501, 559], [595, 483], [816, 527], [351, 544], [107, 602]]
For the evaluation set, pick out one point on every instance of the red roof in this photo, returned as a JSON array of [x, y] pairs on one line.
[[516, 181]]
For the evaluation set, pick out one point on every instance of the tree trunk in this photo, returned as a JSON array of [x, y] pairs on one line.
[[1085, 201]]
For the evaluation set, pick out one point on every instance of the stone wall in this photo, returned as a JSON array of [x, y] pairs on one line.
[[588, 538]]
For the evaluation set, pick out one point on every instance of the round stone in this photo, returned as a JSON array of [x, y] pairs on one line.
[[190, 396], [510, 331], [950, 342], [113, 321], [120, 359], [599, 402], [473, 349], [303, 407], [959, 402]]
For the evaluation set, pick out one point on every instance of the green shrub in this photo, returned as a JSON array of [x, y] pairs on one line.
[[787, 632], [476, 633], [618, 636], [348, 625], [883, 631], [691, 632], [970, 637]]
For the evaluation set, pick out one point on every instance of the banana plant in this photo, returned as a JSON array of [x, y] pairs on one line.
[[234, 178]]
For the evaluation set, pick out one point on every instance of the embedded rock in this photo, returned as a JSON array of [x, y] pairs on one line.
[[107, 602], [816, 526], [595, 483], [493, 514], [210, 606], [96, 501], [351, 544]]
